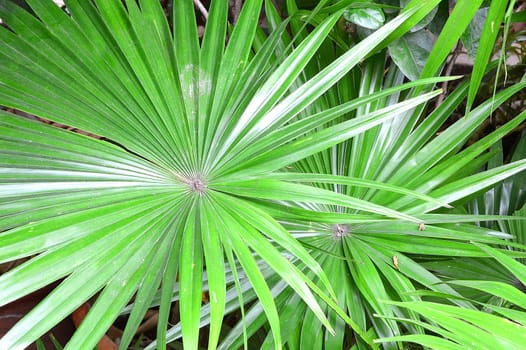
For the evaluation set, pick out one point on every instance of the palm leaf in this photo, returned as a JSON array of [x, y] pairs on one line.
[[380, 259], [137, 208]]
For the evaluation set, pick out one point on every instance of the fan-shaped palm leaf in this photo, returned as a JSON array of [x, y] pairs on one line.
[[402, 164], [156, 198]]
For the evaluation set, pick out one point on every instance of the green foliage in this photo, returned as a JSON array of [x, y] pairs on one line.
[[370, 18], [288, 176], [41, 346], [411, 52], [476, 23]]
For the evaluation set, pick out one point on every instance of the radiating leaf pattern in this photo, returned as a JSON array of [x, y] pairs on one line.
[[281, 173], [178, 115]]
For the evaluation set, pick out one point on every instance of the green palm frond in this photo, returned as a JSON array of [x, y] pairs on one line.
[[500, 324], [293, 177], [411, 164], [460, 328], [155, 198]]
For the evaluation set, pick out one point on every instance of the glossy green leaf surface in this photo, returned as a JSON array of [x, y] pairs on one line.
[[285, 176]]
